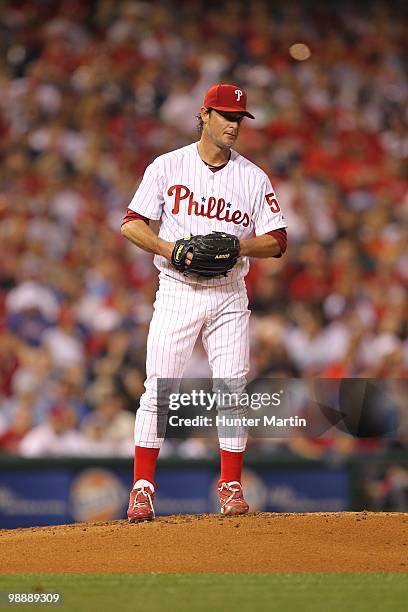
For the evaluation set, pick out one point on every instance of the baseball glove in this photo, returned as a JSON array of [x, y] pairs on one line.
[[213, 254]]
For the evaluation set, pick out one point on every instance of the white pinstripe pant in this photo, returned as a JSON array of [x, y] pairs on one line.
[[181, 311]]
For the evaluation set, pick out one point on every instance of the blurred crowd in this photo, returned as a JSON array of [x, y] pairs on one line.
[[90, 93]]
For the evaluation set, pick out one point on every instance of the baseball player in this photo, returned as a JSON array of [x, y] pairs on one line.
[[216, 209]]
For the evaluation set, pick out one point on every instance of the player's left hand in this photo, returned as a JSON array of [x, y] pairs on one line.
[[210, 256]]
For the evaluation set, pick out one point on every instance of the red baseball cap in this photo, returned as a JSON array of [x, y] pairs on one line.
[[228, 98]]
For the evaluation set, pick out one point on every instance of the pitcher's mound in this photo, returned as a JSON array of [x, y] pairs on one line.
[[261, 542]]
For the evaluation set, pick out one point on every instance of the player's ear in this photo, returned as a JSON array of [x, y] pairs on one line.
[[205, 114]]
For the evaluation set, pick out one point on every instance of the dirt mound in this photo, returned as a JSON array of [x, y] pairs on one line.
[[261, 542]]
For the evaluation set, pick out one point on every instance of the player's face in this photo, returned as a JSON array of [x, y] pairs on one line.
[[222, 128]]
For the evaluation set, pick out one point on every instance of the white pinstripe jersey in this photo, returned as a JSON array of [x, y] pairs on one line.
[[179, 189]]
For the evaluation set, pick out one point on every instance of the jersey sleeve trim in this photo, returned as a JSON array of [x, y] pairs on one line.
[[281, 238], [131, 215]]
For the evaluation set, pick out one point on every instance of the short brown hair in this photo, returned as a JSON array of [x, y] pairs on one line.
[[200, 122]]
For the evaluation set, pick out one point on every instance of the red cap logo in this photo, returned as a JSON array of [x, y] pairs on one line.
[[228, 98]]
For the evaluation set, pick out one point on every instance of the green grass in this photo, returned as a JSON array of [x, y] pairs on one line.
[[317, 592]]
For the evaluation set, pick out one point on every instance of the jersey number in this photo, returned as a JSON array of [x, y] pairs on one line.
[[272, 202]]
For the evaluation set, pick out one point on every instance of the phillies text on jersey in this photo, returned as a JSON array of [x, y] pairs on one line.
[[180, 189]]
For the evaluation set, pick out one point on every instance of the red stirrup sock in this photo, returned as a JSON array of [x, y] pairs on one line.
[[145, 463], [231, 466]]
